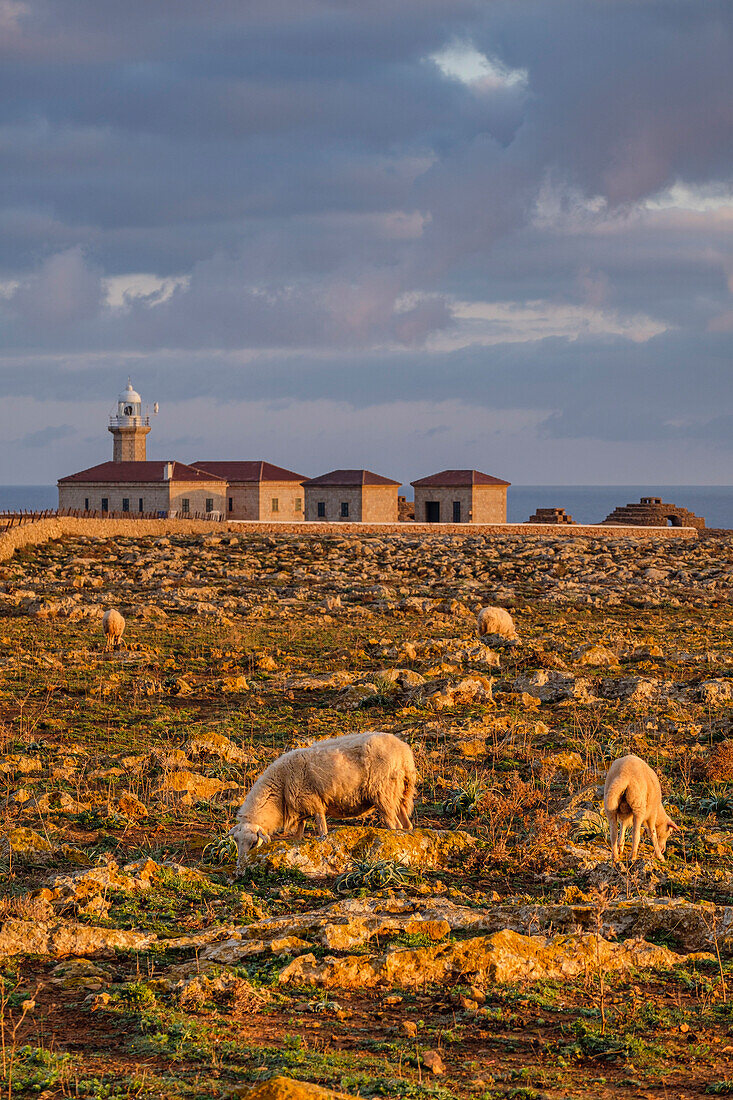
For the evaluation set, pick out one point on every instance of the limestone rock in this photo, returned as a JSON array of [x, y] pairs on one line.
[[58, 939], [715, 692], [505, 956], [285, 1088], [551, 686], [215, 744], [595, 656], [25, 842], [422, 848], [189, 787], [128, 804], [352, 922]]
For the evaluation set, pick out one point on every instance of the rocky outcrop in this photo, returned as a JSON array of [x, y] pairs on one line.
[[422, 848], [59, 939], [505, 956]]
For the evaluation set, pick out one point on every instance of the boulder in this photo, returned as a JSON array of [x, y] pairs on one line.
[[552, 686], [25, 842], [215, 744], [285, 1088], [713, 693], [595, 656], [188, 787], [422, 848]]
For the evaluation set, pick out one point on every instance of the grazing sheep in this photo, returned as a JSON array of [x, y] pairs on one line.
[[341, 777], [632, 792], [497, 622], [113, 625]]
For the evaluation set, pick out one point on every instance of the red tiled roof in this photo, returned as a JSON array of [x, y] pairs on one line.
[[457, 477], [143, 472], [343, 478], [248, 471]]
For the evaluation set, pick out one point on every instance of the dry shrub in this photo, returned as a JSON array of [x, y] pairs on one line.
[[547, 836], [499, 810], [225, 988], [25, 907], [718, 768]]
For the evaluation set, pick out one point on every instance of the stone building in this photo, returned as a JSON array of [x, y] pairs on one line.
[[142, 487], [258, 490], [351, 496], [460, 496], [653, 512]]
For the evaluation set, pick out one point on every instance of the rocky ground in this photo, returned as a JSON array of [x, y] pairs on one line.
[[495, 952]]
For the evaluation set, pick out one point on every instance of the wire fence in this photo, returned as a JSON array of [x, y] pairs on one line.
[[22, 517]]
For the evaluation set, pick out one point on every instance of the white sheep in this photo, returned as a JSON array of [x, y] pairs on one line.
[[341, 777], [113, 625], [497, 622], [632, 793]]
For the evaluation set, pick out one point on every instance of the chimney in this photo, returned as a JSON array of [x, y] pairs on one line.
[[167, 471]]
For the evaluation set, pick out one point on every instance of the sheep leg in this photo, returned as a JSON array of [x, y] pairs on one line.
[[298, 834], [404, 820], [622, 841], [636, 837], [655, 842], [389, 816], [321, 824], [613, 828]]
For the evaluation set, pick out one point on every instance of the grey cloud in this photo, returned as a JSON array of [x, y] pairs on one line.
[[47, 435], [327, 190]]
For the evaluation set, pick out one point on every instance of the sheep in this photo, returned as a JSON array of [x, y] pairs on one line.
[[113, 625], [497, 622], [341, 777], [632, 792]]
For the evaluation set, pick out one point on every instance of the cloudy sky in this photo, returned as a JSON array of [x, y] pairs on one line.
[[471, 233]]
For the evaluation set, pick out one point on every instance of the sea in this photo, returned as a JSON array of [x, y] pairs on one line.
[[585, 503]]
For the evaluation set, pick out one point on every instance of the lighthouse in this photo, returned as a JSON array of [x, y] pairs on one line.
[[129, 427]]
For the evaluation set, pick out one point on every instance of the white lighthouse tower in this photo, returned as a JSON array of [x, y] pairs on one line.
[[129, 427]]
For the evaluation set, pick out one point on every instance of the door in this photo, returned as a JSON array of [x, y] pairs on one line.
[[456, 511], [432, 511]]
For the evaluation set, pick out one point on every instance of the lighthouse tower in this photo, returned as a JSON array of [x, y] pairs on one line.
[[129, 427]]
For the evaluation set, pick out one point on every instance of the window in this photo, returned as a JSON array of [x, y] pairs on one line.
[[125, 504], [231, 504], [185, 505], [86, 504], [209, 504], [140, 504], [105, 504], [298, 504], [275, 504], [321, 509], [456, 511], [344, 509]]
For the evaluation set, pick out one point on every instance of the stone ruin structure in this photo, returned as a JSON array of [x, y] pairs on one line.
[[551, 515], [653, 512]]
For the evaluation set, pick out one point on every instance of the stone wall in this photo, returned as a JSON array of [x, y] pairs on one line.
[[45, 530], [289, 496], [444, 497], [479, 503], [32, 534], [245, 502], [155, 497], [489, 504], [379, 504], [198, 493]]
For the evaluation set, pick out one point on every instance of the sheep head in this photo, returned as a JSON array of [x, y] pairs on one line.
[[247, 836]]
